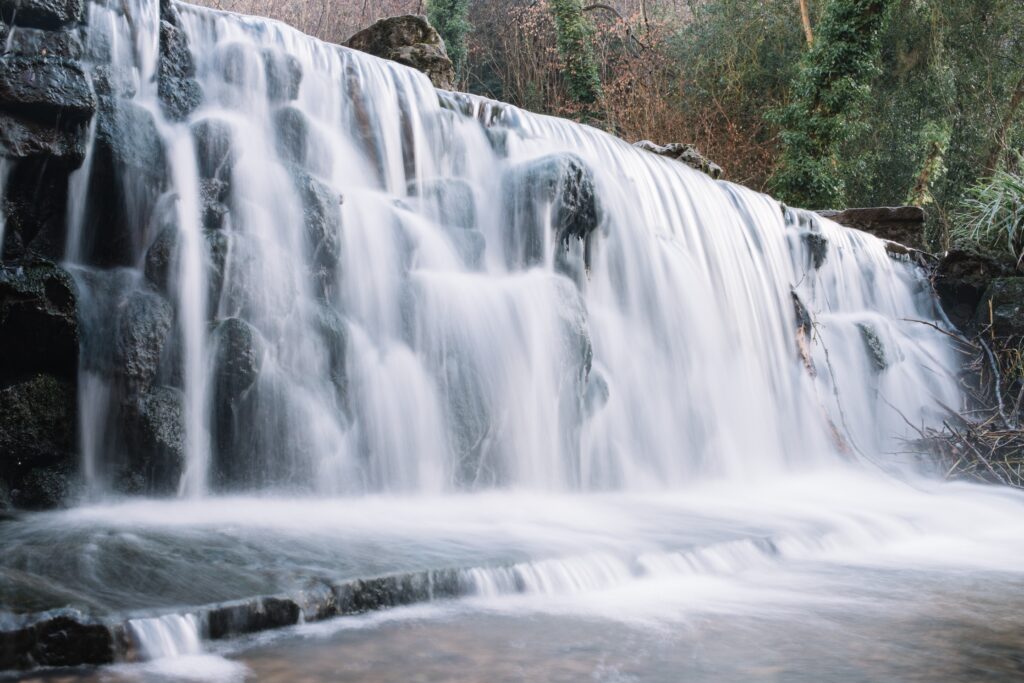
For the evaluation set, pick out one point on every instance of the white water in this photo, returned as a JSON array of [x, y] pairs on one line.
[[173, 635], [469, 372], [714, 454]]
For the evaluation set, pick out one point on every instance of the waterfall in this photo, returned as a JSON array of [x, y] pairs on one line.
[[354, 282]]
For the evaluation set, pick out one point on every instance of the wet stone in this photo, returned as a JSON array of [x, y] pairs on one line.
[[283, 74], [46, 14], [47, 88], [251, 617]]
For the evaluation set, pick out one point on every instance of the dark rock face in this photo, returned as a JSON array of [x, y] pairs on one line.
[[238, 357], [37, 441], [47, 14], [36, 209], [161, 257], [46, 88], [567, 182], [33, 42], [38, 370], [63, 640], [38, 323], [1002, 307], [902, 224], [684, 153], [155, 433], [128, 161], [143, 326], [962, 277], [177, 87], [408, 40], [322, 217], [214, 149], [334, 335]]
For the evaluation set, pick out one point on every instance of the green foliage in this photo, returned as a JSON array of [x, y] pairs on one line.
[[992, 213], [575, 46], [451, 19], [829, 96]]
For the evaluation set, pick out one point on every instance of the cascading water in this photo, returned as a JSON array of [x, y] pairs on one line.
[[339, 280], [380, 287]]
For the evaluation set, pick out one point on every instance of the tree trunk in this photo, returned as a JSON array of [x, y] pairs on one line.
[[1000, 142], [805, 16]]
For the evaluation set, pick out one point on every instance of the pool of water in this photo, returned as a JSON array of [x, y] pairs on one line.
[[827, 577]]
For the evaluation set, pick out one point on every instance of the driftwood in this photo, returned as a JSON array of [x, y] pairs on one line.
[[983, 441]]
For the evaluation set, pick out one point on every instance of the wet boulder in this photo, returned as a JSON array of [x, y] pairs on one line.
[[63, 638], [154, 429], [46, 14], [32, 42], [161, 258], [252, 616], [179, 92], [35, 207], [238, 357], [334, 336], [816, 248], [683, 153], [409, 40], [321, 207], [38, 458], [874, 347], [470, 245], [127, 176], [804, 334], [962, 277], [597, 394], [214, 195], [45, 88], [901, 224], [63, 140], [566, 183], [291, 130], [38, 321], [299, 143], [283, 73], [1002, 307], [144, 323], [215, 156], [449, 201]]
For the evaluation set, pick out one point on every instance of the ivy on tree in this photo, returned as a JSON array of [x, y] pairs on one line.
[[451, 19], [829, 94], [575, 38]]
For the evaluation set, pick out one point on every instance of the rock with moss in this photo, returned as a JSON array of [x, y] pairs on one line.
[[1001, 309], [684, 153], [408, 40]]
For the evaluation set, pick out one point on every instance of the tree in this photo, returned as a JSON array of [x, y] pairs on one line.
[[575, 46], [451, 19], [829, 94]]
